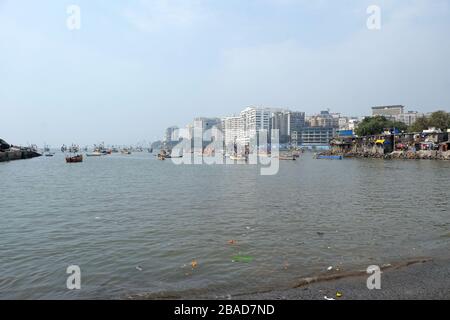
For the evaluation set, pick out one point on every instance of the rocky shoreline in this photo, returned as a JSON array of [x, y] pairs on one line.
[[17, 155], [423, 279], [9, 152], [406, 155]]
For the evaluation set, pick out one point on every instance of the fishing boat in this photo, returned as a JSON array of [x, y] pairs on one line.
[[94, 154], [162, 155], [74, 148], [74, 159]]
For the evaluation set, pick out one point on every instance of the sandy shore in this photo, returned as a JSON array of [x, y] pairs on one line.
[[417, 279]]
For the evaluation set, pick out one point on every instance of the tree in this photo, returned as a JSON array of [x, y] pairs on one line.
[[400, 126], [440, 120], [376, 125], [419, 125]]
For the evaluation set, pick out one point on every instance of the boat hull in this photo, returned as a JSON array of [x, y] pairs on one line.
[[75, 159]]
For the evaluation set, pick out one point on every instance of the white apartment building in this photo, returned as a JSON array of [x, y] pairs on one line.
[[254, 120], [348, 123], [172, 134], [231, 127], [409, 117], [396, 113]]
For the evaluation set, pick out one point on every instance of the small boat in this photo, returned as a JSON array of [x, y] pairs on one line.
[[329, 157], [162, 155], [237, 157], [74, 159], [287, 158], [49, 154], [94, 154]]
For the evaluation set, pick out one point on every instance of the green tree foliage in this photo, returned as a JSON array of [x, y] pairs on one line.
[[419, 125], [438, 119], [376, 125]]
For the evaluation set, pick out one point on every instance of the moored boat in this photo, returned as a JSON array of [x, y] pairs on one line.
[[74, 159], [94, 154]]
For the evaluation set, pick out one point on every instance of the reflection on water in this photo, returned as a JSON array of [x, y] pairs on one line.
[[134, 224]]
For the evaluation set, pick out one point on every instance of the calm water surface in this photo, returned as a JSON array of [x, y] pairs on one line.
[[111, 214]]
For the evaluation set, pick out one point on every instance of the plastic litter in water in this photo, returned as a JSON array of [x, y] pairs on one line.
[[241, 258]]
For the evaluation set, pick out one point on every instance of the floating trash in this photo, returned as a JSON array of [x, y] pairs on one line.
[[139, 268], [232, 242], [338, 294], [330, 268], [240, 258], [194, 264], [326, 298]]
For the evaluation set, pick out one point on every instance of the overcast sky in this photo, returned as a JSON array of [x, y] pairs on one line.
[[137, 67]]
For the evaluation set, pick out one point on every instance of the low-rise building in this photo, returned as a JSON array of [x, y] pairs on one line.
[[317, 136]]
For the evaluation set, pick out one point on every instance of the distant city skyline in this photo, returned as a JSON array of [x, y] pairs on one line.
[[136, 68]]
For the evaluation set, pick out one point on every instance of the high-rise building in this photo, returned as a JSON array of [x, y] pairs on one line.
[[388, 111], [324, 119], [231, 128], [396, 113], [255, 120], [290, 124], [203, 126], [207, 123], [409, 117], [171, 134]]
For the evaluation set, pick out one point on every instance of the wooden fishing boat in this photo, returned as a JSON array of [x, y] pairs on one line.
[[74, 159]]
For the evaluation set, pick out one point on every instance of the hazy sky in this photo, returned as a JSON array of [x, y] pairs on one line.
[[137, 67]]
